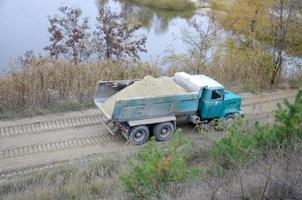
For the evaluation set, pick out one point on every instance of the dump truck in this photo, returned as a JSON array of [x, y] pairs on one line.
[[140, 117]]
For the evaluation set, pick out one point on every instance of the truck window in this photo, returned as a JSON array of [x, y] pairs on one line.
[[217, 95]]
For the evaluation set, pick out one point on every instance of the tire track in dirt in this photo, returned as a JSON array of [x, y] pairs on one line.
[[89, 120], [38, 127], [60, 145], [281, 97]]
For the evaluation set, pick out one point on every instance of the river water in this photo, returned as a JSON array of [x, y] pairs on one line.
[[24, 26]]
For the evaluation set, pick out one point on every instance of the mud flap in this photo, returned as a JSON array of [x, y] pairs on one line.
[[110, 126]]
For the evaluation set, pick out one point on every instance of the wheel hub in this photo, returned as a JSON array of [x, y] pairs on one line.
[[139, 135], [165, 132]]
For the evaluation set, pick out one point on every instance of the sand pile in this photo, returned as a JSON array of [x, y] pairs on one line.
[[147, 87]]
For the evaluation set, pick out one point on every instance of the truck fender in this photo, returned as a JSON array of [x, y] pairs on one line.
[[231, 111]]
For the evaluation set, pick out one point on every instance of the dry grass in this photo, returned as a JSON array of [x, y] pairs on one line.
[[43, 85], [284, 182], [97, 179]]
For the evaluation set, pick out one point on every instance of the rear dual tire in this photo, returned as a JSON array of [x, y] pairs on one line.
[[140, 134], [164, 131]]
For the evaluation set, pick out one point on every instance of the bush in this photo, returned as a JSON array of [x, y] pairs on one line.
[[156, 167], [235, 148], [288, 121], [242, 144]]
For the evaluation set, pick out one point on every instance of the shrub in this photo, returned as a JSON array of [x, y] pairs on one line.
[[156, 167], [235, 148], [242, 144], [288, 121]]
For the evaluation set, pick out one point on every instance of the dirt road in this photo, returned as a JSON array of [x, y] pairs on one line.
[[42, 142]]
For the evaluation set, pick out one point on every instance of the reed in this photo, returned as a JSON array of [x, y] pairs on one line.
[[43, 85]]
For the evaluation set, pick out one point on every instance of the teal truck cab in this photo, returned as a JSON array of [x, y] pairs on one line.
[[219, 103], [139, 117]]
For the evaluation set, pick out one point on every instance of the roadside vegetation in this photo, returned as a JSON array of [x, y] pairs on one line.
[[156, 167], [79, 57], [45, 85], [175, 5], [249, 161], [42, 85]]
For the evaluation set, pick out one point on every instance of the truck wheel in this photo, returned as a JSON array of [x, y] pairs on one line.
[[163, 131], [139, 135], [229, 119]]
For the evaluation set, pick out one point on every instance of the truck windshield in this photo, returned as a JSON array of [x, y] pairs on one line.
[[217, 95]]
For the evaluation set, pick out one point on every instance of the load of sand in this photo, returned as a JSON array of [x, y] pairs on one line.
[[148, 87]]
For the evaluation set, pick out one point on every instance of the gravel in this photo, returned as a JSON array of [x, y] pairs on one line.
[[148, 87]]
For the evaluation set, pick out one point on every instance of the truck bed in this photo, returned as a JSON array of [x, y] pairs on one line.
[[148, 87], [130, 104], [154, 107]]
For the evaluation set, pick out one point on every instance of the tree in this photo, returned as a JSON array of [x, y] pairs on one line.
[[68, 35], [270, 25], [283, 17], [198, 40], [114, 39], [248, 18]]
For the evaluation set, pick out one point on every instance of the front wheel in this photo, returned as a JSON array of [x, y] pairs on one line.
[[139, 135], [163, 131], [229, 119]]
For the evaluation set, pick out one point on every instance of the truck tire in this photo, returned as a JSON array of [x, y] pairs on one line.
[[229, 119], [139, 135], [164, 131]]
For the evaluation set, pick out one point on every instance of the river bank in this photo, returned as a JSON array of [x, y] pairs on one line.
[[178, 5]]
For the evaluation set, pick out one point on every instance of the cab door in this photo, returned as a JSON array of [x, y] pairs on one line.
[[215, 103]]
